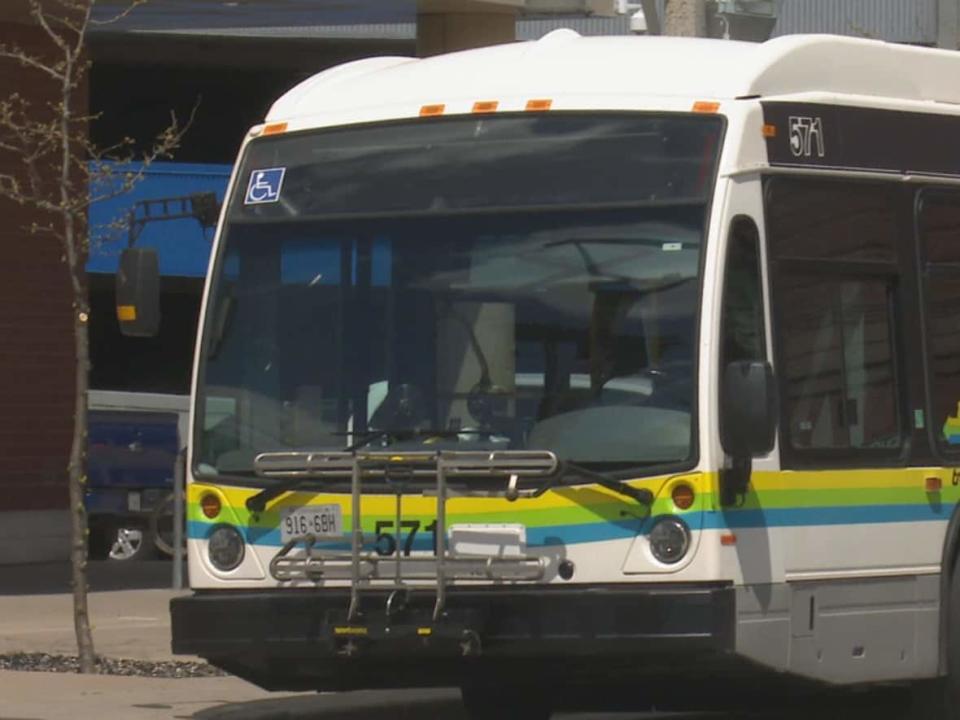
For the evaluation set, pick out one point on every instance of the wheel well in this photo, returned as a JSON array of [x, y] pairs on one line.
[[948, 566]]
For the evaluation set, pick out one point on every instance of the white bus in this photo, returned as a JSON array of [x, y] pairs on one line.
[[587, 368]]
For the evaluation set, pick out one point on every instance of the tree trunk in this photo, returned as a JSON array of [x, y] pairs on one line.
[[686, 18], [74, 254], [78, 481]]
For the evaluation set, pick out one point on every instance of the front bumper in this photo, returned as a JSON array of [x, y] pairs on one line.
[[294, 639]]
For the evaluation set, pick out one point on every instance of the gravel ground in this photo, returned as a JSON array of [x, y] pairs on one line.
[[43, 662]]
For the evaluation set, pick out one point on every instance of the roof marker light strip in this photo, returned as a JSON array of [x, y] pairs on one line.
[[707, 107], [275, 128], [432, 110], [486, 106], [539, 105]]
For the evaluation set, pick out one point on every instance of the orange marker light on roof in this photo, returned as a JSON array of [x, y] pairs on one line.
[[275, 128], [706, 106], [431, 110], [486, 106], [539, 105]]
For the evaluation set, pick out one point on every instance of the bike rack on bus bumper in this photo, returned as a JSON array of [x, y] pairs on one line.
[[364, 568]]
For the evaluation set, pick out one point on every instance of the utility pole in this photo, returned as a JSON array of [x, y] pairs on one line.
[[948, 24], [685, 17]]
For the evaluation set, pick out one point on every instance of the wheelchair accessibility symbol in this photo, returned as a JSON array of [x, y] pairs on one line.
[[264, 186]]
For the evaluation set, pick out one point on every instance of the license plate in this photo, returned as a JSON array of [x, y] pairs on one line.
[[322, 521]]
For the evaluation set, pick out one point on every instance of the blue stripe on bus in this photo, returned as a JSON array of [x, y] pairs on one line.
[[602, 531]]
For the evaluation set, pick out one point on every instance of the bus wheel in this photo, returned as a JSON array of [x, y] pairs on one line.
[[499, 702], [940, 699], [129, 543]]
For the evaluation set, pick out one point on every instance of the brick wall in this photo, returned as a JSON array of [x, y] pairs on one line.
[[36, 345]]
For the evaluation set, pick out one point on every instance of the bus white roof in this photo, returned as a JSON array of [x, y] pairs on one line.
[[564, 64]]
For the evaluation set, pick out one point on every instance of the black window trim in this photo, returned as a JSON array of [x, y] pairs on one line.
[[794, 458], [722, 334], [924, 268]]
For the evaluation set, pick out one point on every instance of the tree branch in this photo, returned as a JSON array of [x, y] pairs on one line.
[[36, 9], [134, 4], [18, 55]]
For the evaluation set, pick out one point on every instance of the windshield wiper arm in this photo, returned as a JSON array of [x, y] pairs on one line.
[[258, 503], [641, 495]]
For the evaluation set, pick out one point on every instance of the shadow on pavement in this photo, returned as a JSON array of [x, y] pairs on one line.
[[363, 705], [53, 578]]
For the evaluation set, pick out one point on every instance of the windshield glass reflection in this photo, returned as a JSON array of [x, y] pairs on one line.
[[559, 328]]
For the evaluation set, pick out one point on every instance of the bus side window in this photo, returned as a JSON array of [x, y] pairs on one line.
[[742, 330], [834, 245], [940, 246]]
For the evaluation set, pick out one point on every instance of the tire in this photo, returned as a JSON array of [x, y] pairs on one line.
[[940, 699], [493, 702], [99, 539], [161, 526], [131, 544]]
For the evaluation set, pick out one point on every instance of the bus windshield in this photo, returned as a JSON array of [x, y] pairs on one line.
[[496, 283]]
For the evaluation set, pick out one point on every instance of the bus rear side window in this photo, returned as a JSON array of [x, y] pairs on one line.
[[940, 247], [835, 286], [837, 362]]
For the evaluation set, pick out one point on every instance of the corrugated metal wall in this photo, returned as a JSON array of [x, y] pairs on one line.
[[533, 29], [910, 21], [913, 21]]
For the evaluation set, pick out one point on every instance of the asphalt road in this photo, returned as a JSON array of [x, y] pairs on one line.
[[445, 705], [28, 590]]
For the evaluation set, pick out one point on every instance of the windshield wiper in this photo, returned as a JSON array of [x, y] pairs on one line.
[[258, 503], [641, 495]]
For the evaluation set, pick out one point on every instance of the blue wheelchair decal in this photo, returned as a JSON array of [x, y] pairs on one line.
[[264, 186]]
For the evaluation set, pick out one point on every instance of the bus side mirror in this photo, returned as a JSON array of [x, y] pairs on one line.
[[138, 292], [748, 421], [748, 415]]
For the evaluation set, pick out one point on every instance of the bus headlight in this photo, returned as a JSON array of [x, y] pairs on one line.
[[669, 540], [225, 547]]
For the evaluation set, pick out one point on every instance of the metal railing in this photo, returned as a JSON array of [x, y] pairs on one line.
[[366, 568]]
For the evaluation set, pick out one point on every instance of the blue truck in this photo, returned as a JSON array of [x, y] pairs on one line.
[[138, 403]]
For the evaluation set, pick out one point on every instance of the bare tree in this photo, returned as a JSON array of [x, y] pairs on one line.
[[59, 173]]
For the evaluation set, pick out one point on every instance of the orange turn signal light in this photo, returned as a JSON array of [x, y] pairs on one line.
[[769, 131], [728, 539], [210, 505], [683, 496], [933, 484]]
